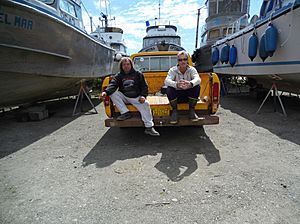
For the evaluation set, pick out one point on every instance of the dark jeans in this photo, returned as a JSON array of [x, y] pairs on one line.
[[183, 95]]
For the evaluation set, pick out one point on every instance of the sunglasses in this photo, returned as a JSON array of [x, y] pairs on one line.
[[182, 59]]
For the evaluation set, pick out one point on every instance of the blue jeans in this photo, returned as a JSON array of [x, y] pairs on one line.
[[183, 95]]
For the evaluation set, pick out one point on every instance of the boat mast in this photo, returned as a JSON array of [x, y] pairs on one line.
[[242, 5], [91, 22], [104, 16], [106, 13]]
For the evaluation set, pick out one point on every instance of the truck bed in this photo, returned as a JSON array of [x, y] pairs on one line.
[[162, 103], [161, 110]]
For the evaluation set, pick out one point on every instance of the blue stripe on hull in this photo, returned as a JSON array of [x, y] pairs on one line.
[[261, 64]]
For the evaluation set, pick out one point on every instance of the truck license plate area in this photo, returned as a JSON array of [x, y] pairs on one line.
[[159, 112]]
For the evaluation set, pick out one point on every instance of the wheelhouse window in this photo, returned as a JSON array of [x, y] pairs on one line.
[[123, 49], [227, 31], [115, 46], [157, 40], [154, 63], [213, 34], [48, 2], [68, 7]]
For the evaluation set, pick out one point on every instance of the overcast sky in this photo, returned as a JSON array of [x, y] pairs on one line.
[[131, 16]]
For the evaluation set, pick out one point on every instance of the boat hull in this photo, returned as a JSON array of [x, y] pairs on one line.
[[283, 68], [48, 55]]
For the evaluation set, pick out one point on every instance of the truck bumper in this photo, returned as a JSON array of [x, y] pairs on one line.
[[163, 122]]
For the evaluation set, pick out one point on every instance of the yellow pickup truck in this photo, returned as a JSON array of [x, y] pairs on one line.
[[155, 66]]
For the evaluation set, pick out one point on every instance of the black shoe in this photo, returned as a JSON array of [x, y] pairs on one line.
[[192, 115], [151, 131], [174, 117], [125, 116]]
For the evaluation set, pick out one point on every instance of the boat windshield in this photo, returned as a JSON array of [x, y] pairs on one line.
[[118, 47], [71, 8], [48, 2], [154, 63], [156, 40]]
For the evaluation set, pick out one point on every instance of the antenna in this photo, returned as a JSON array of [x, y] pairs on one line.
[[197, 28], [159, 12]]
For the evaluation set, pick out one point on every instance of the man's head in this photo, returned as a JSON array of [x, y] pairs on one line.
[[182, 58], [126, 65]]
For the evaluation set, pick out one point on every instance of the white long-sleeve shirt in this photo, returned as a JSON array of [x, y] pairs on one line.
[[174, 75]]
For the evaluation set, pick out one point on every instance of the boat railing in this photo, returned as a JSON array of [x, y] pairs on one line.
[[237, 25], [203, 29]]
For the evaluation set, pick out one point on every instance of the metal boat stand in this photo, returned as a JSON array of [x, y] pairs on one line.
[[275, 93], [81, 93]]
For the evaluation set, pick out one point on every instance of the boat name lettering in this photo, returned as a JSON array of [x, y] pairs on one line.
[[16, 21]]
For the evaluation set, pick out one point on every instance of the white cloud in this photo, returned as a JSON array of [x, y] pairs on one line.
[[132, 19], [132, 43]]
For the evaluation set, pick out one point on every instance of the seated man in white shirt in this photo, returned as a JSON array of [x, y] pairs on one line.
[[183, 85]]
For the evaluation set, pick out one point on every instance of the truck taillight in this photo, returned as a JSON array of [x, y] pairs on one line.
[[106, 99], [215, 92]]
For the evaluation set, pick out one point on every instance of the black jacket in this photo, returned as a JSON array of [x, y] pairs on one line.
[[131, 85]]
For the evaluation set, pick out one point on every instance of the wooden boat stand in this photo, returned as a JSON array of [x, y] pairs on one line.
[[275, 93], [82, 92]]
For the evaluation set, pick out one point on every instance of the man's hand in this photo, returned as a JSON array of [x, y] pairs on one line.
[[184, 84], [142, 99], [102, 96], [180, 84]]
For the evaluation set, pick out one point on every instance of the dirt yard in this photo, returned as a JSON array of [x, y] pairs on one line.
[[74, 170]]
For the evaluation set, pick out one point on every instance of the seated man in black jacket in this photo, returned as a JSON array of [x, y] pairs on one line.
[[130, 86]]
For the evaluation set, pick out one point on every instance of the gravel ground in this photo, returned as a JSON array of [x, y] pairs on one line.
[[74, 170]]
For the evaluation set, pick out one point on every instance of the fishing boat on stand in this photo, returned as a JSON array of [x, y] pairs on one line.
[[45, 51], [113, 37], [266, 51], [161, 45], [221, 15], [161, 38]]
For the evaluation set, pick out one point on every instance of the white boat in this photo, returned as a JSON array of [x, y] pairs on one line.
[[161, 38], [267, 51], [113, 37], [45, 51], [160, 45], [221, 15]]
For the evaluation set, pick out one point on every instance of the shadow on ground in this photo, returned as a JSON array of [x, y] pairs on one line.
[[17, 135], [179, 148], [284, 127]]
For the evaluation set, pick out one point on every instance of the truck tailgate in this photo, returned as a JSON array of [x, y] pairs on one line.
[[163, 121], [161, 114]]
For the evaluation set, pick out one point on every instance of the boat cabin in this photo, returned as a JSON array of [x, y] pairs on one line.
[[68, 10]]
